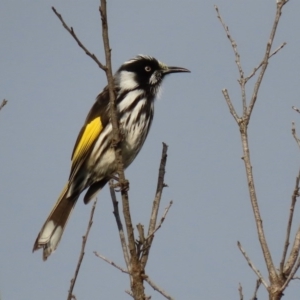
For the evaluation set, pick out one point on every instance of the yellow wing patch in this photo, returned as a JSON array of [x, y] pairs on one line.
[[91, 132]]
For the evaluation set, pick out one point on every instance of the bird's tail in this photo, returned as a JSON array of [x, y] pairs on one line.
[[51, 232]]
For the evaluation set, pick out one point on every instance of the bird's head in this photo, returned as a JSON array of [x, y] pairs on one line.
[[144, 72]]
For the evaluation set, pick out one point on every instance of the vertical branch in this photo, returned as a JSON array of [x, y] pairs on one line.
[[253, 198], [134, 266], [156, 203]]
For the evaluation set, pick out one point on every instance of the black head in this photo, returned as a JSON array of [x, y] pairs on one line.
[[144, 72]]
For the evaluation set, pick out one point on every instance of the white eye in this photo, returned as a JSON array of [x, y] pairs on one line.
[[147, 69]]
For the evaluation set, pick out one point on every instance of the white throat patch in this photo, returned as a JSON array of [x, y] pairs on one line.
[[127, 80]]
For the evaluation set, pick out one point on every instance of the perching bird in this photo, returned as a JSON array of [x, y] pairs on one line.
[[137, 83]]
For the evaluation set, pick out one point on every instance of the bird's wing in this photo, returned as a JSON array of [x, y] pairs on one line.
[[96, 120], [85, 140]]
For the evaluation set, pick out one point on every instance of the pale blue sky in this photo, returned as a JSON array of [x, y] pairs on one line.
[[51, 84]]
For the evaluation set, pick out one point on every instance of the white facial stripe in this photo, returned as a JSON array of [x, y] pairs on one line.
[[127, 81], [153, 78]]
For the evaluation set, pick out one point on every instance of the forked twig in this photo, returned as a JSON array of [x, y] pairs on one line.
[[84, 240], [259, 66], [266, 57], [255, 270], [161, 220]]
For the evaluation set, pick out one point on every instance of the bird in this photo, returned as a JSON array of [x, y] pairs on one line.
[[137, 83]]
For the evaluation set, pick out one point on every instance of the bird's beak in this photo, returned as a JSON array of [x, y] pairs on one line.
[[169, 70]]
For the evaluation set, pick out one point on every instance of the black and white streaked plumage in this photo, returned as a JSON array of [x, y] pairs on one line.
[[137, 83]]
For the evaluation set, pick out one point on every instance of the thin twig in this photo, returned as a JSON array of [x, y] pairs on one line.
[[157, 288], [230, 105], [237, 61], [266, 58], [72, 32], [233, 43], [241, 292], [3, 103], [256, 271], [258, 283], [119, 224], [156, 203], [295, 134], [259, 66], [161, 220], [84, 240], [290, 221], [111, 262]]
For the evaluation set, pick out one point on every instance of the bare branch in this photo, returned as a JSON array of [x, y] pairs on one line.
[[111, 262], [3, 103], [233, 43], [258, 283], [259, 66], [161, 220], [134, 266], [237, 61], [156, 203], [72, 32], [84, 240], [119, 224], [230, 106], [289, 226], [241, 292], [266, 58], [257, 272], [157, 288]]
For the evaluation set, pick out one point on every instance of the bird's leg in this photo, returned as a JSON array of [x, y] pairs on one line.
[[122, 186]]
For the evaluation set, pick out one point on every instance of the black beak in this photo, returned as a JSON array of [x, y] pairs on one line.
[[169, 70]]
